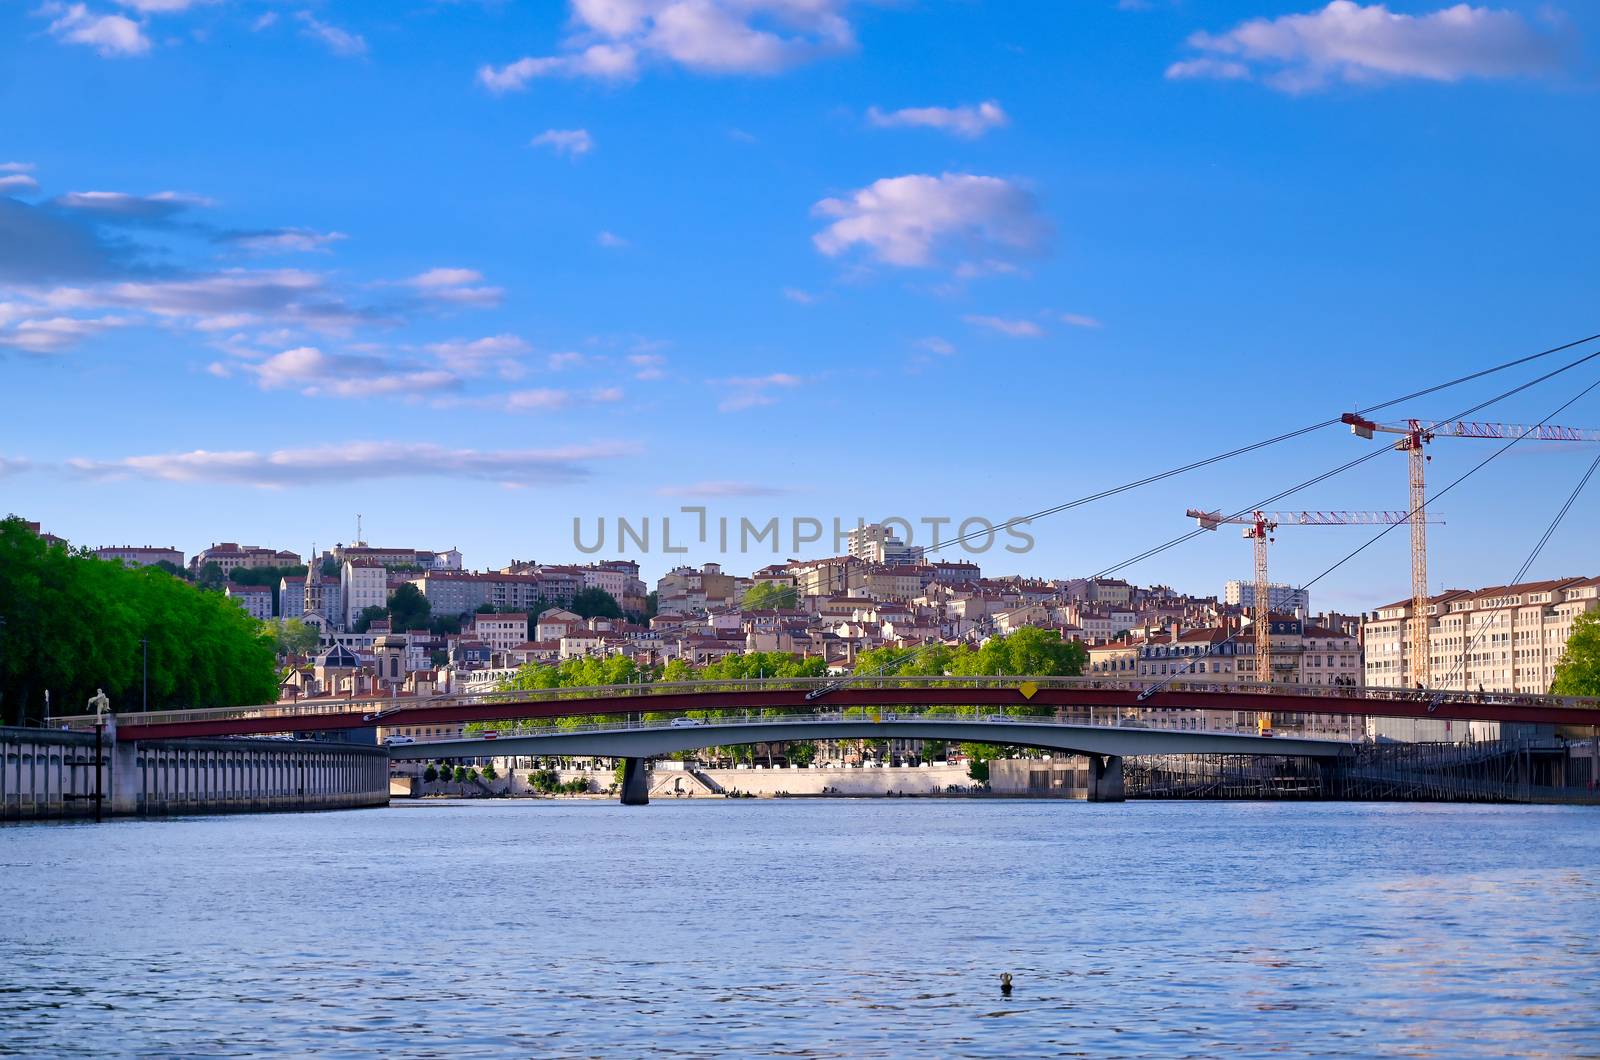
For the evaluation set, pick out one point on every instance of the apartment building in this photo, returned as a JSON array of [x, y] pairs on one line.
[[1280, 597], [363, 583], [501, 631], [230, 556], [426, 559], [255, 599], [141, 555], [1505, 638], [875, 543]]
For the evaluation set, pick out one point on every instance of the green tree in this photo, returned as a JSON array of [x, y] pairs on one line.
[[768, 596], [430, 774], [73, 623], [210, 575], [800, 753], [490, 773], [461, 774], [1578, 671], [408, 608], [368, 616], [595, 603], [978, 769], [291, 636]]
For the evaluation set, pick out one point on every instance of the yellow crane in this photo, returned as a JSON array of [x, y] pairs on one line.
[[1258, 528], [1414, 435]]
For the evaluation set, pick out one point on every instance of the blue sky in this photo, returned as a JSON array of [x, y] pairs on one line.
[[476, 269]]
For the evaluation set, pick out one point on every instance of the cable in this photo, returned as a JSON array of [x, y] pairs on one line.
[[1157, 550], [1275, 498], [1522, 572], [1287, 436], [1409, 516]]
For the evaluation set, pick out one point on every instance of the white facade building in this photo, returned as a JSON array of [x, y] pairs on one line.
[[875, 543], [255, 599], [1281, 599], [363, 584]]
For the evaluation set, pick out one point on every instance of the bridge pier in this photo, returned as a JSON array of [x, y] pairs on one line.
[[635, 782], [1105, 779]]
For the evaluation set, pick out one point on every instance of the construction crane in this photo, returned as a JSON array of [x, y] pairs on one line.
[[1414, 435], [1259, 528]]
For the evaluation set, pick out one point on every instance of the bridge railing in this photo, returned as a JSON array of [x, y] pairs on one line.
[[1001, 720], [629, 693]]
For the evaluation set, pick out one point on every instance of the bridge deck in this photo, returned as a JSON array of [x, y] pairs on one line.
[[805, 693], [639, 740]]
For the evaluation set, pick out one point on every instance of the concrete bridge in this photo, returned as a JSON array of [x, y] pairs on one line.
[[635, 741]]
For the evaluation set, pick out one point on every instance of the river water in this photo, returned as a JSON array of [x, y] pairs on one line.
[[808, 928]]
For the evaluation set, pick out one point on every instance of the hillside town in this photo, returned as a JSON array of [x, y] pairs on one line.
[[361, 620]]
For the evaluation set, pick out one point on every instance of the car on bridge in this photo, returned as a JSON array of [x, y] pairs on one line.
[[686, 723], [396, 739]]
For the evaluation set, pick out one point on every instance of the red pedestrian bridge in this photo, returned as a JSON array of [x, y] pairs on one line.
[[1096, 699]]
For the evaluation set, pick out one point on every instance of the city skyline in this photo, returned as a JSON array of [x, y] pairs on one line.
[[969, 285]]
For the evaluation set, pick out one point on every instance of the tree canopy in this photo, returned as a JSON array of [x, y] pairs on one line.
[[408, 609], [1025, 652], [291, 636], [595, 602], [73, 623], [1578, 672], [770, 596]]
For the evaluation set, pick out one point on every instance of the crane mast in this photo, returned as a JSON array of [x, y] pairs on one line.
[[1415, 434], [1259, 526]]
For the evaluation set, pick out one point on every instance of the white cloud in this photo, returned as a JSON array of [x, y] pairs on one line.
[[605, 61], [109, 35], [1078, 320], [908, 220], [968, 122], [748, 392], [796, 295], [537, 399], [119, 205], [461, 286], [611, 38], [934, 344], [285, 240], [54, 334], [573, 143], [265, 21], [611, 240], [1360, 43], [313, 372], [358, 461], [338, 41], [648, 366], [474, 357], [13, 183], [11, 465], [1016, 329], [721, 488], [163, 7], [285, 295]]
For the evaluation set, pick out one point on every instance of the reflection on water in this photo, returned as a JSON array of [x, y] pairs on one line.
[[808, 928]]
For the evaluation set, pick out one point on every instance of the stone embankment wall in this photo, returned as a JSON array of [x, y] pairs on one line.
[[45, 773]]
